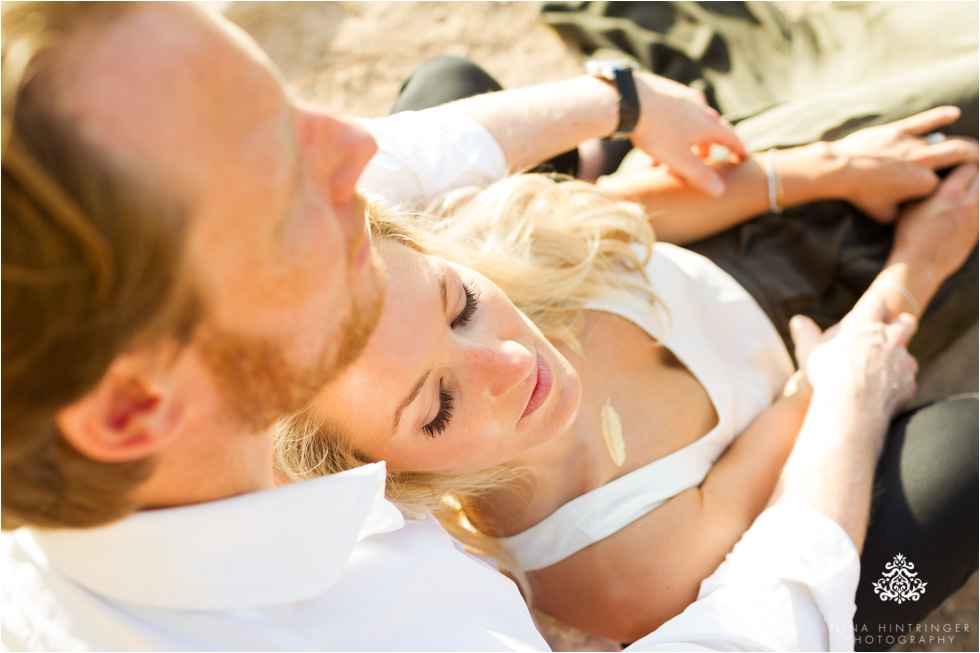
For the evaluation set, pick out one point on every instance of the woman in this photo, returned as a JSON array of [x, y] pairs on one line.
[[583, 399]]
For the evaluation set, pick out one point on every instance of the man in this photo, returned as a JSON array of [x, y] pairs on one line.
[[185, 260]]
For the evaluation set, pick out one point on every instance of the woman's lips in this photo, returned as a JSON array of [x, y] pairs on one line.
[[541, 388]]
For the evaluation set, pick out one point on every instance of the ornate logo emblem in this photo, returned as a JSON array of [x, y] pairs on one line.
[[899, 583]]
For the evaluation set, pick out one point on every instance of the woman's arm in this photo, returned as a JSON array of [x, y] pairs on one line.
[[534, 123], [630, 583], [875, 169]]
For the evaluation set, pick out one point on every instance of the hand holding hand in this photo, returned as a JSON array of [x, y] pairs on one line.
[[939, 232], [890, 164], [863, 360], [677, 128]]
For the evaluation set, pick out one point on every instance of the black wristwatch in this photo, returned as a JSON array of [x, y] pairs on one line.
[[620, 73]]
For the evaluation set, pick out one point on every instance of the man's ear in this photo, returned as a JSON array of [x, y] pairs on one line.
[[129, 415]]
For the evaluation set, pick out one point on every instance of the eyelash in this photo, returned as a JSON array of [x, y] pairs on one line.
[[472, 301], [438, 425], [441, 420]]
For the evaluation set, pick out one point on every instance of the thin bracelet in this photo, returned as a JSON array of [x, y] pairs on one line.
[[772, 181], [888, 283]]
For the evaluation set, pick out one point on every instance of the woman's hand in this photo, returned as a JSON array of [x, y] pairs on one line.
[[890, 164]]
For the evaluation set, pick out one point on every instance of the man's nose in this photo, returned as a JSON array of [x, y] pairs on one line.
[[501, 366], [335, 151]]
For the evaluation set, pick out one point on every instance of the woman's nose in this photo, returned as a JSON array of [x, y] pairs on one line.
[[501, 366]]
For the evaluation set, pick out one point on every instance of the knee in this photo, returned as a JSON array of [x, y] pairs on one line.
[[443, 79], [940, 464], [452, 67]]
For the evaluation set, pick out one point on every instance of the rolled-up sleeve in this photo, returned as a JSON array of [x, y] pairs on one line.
[[424, 153], [787, 585]]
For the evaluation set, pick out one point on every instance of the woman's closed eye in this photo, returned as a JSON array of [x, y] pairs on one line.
[[445, 413], [469, 308], [439, 423]]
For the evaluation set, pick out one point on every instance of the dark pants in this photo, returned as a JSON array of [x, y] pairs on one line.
[[817, 260], [925, 508]]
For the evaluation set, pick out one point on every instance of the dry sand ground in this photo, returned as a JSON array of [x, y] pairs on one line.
[[353, 56]]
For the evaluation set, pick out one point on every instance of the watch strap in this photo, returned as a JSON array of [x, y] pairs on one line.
[[629, 103], [619, 73]]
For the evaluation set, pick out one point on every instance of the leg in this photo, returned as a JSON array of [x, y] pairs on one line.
[[925, 507], [748, 57], [441, 80], [818, 259], [832, 114]]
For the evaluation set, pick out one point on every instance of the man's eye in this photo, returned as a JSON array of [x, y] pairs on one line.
[[472, 301]]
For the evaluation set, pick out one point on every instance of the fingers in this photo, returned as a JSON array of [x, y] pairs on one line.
[[927, 121], [903, 385], [958, 182], [806, 336], [973, 194], [952, 151], [870, 309], [902, 328], [697, 173], [724, 134], [693, 168]]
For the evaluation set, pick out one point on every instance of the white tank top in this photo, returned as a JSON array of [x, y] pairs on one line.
[[716, 329]]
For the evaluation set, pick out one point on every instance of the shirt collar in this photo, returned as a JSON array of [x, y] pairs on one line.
[[282, 545]]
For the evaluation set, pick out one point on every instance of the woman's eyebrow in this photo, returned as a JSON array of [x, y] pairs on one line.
[[442, 289], [418, 386], [409, 399]]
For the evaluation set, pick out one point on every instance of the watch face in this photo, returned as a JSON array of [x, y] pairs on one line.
[[606, 68]]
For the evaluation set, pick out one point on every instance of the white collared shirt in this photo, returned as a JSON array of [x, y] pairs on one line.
[[329, 564], [324, 565]]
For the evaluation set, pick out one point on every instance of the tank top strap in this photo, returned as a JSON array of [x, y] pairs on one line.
[[609, 508]]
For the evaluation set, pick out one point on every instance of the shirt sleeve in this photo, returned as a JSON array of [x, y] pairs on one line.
[[424, 153], [788, 584]]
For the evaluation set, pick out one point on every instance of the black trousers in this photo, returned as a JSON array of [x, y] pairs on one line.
[[925, 504], [924, 508]]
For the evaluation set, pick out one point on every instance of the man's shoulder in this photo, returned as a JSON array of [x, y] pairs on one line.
[[406, 587]]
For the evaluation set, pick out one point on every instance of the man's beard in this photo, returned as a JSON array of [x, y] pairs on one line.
[[259, 384]]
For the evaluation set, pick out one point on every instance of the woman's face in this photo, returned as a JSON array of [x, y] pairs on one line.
[[455, 379]]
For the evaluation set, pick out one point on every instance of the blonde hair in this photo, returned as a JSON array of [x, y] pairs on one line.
[[551, 245]]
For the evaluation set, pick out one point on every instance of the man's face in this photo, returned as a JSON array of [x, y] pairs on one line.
[[276, 237]]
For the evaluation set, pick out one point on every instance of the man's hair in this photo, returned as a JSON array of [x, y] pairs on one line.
[[91, 269]]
